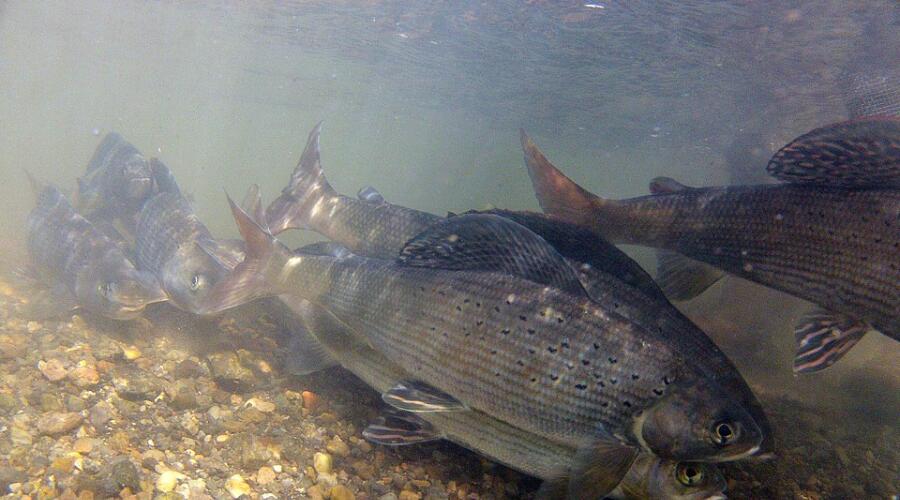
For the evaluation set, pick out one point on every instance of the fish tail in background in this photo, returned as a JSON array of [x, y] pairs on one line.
[[247, 281], [105, 151], [307, 191], [557, 194]]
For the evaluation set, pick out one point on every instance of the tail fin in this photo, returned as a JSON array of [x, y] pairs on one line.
[[252, 204], [308, 187], [247, 281], [558, 195]]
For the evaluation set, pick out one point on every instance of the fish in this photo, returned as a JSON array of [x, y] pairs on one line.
[[606, 273], [118, 181], [648, 476], [828, 234], [172, 243], [513, 335], [309, 202], [84, 268]]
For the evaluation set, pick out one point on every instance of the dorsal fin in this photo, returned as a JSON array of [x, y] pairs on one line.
[[666, 185], [585, 247], [490, 243], [863, 153], [370, 195]]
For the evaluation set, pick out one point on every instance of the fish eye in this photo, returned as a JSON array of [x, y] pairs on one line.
[[197, 282], [689, 474], [106, 288], [724, 433]]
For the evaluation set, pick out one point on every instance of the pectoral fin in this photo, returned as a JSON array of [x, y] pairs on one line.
[[823, 337], [415, 396], [49, 303], [597, 470], [306, 354], [682, 278], [396, 428]]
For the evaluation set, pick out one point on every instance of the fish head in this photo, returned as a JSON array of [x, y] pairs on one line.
[[112, 286], [685, 481], [698, 421], [137, 179], [189, 276]]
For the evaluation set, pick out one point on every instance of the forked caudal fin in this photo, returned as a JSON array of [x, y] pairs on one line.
[[557, 194], [247, 281], [308, 188]]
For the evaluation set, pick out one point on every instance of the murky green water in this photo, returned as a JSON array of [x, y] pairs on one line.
[[423, 100]]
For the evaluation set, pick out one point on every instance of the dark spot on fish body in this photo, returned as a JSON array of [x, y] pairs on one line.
[[552, 349], [581, 386], [523, 318]]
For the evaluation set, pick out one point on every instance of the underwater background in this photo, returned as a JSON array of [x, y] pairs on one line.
[[423, 100]]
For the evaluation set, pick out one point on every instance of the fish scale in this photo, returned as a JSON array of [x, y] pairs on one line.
[[396, 314], [381, 229], [835, 247], [510, 445], [165, 223], [59, 240]]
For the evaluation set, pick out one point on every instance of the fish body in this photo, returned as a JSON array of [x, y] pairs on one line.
[[376, 228], [117, 181], [647, 478], [309, 202], [830, 235], [173, 244], [538, 357], [90, 268]]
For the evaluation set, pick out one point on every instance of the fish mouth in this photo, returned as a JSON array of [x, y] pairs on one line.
[[734, 456]]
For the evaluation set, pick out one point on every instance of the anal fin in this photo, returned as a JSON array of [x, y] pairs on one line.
[[824, 337], [682, 278], [415, 396]]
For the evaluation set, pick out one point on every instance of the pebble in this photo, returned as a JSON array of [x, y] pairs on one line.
[[310, 400], [53, 370], [338, 447], [261, 405], [315, 492], [265, 475], [237, 487], [228, 372], [136, 385], [322, 462], [53, 423], [168, 479], [84, 375], [340, 492], [131, 352], [83, 445], [409, 495]]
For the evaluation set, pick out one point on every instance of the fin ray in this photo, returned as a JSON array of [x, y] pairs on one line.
[[490, 243], [861, 153], [823, 338], [419, 397]]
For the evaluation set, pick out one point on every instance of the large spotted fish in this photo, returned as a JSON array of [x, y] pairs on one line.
[[649, 477], [829, 234], [481, 308], [370, 226]]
